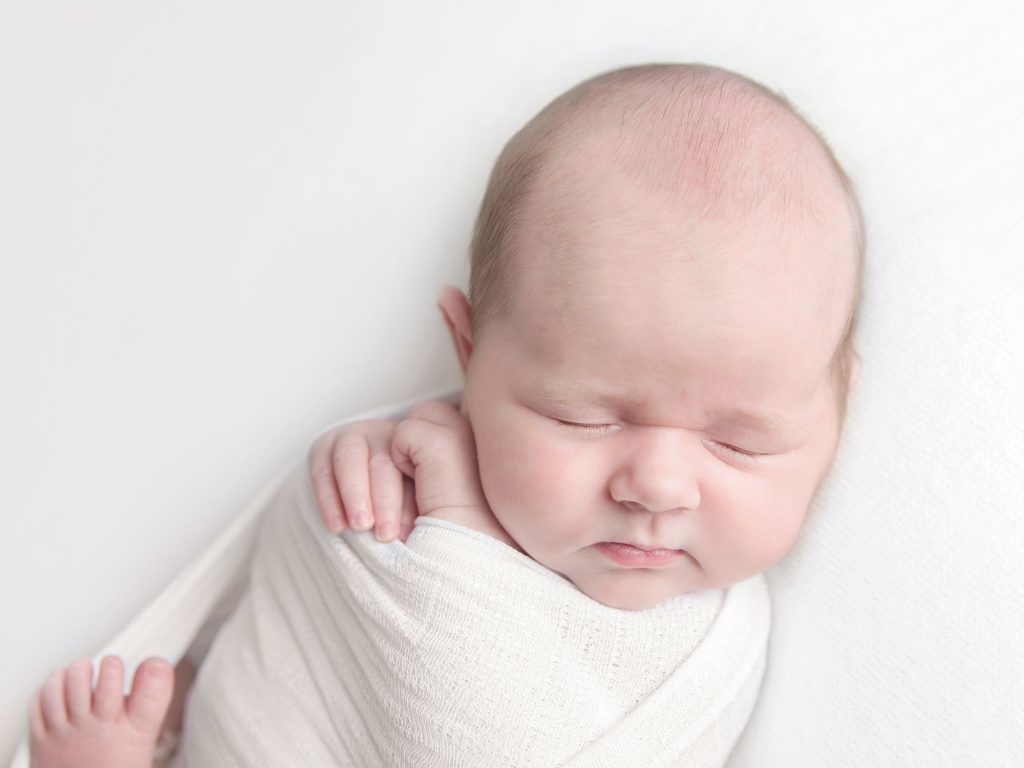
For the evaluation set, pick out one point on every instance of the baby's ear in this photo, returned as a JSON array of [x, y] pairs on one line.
[[455, 309]]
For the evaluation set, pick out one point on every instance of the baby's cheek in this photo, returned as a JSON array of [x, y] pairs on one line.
[[772, 536], [531, 461], [748, 532], [525, 482], [509, 472]]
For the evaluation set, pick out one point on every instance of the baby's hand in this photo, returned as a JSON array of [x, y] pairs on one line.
[[357, 483], [435, 447], [357, 472]]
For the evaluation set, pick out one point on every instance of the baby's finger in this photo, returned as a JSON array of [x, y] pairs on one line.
[[385, 488], [404, 441], [407, 519], [352, 472], [437, 412], [325, 486]]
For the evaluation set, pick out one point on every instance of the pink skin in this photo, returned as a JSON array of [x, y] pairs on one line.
[[704, 318], [708, 316], [70, 724], [356, 481]]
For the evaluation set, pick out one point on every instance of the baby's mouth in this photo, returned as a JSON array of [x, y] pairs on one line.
[[632, 556]]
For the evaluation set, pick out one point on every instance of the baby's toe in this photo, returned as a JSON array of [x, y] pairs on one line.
[[78, 690], [151, 694], [108, 701], [54, 710]]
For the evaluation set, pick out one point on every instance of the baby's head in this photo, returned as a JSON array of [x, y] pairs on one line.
[[665, 274]]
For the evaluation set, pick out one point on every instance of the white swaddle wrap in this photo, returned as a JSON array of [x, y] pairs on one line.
[[453, 649]]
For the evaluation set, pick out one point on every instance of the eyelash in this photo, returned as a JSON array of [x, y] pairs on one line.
[[584, 427], [743, 455]]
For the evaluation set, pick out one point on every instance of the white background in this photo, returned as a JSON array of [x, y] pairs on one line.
[[223, 225]]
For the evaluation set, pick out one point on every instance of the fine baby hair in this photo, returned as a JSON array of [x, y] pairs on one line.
[[707, 132]]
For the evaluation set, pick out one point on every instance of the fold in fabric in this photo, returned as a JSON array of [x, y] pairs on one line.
[[453, 649]]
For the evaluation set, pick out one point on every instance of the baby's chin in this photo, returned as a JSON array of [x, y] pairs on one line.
[[634, 589]]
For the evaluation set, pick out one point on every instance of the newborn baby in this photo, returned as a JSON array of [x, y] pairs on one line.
[[658, 352], [657, 357]]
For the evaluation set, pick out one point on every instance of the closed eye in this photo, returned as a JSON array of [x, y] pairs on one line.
[[731, 450], [584, 427], [734, 451]]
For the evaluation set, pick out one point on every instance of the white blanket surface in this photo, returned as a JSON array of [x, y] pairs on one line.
[[453, 649]]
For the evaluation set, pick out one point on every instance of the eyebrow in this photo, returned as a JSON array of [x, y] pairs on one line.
[[570, 394], [766, 423]]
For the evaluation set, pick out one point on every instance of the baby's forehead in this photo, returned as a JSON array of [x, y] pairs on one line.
[[731, 166], [746, 180], [599, 215], [623, 261]]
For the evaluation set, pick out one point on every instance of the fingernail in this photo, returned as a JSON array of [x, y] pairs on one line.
[[386, 532], [361, 520]]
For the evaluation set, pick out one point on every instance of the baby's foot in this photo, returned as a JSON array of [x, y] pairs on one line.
[[73, 727]]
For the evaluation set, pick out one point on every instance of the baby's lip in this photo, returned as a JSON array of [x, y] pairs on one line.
[[633, 556], [646, 547]]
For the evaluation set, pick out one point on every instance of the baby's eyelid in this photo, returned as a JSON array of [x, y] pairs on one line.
[[578, 425], [739, 451], [751, 455]]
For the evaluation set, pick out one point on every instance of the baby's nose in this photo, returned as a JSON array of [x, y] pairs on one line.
[[659, 474]]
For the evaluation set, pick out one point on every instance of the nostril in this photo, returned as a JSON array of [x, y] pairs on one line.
[[635, 506]]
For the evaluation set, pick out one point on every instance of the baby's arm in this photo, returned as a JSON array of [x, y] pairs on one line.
[[359, 467]]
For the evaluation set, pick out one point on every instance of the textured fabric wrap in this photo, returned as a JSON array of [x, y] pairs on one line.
[[453, 649]]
